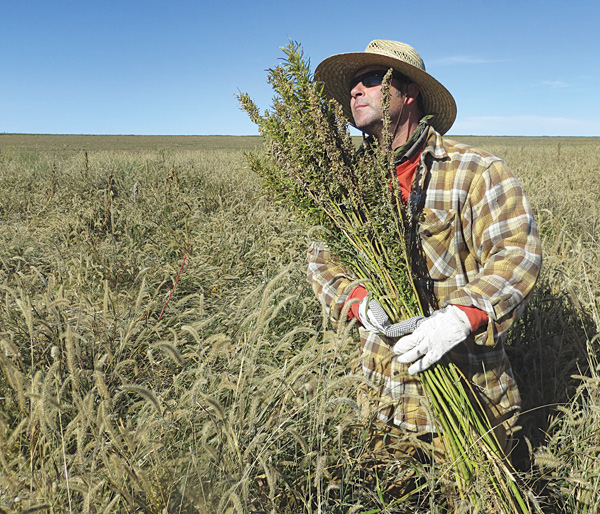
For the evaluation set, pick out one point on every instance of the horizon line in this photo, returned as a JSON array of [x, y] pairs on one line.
[[247, 135]]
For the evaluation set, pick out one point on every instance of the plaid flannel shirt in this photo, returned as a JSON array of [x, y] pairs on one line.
[[479, 246]]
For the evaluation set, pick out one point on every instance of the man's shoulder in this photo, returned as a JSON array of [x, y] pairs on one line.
[[452, 154], [459, 150]]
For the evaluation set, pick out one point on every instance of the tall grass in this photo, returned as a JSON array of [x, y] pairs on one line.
[[241, 399]]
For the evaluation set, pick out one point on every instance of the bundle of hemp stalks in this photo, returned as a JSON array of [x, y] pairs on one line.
[[311, 164]]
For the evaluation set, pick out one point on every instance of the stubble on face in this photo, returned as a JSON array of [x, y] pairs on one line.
[[368, 113]]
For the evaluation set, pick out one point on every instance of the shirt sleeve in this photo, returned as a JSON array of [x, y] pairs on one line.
[[331, 282], [505, 239]]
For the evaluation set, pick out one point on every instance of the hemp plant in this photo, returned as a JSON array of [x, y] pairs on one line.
[[311, 164]]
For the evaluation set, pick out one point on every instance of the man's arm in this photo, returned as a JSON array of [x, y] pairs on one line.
[[339, 293], [502, 233], [331, 282]]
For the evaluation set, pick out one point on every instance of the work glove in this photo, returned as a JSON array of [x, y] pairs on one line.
[[374, 318], [434, 337]]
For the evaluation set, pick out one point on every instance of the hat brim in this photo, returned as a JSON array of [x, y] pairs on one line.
[[337, 71]]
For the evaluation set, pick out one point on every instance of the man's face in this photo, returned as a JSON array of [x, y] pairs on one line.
[[365, 103]]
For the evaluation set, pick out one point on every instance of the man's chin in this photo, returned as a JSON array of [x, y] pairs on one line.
[[361, 124], [367, 128]]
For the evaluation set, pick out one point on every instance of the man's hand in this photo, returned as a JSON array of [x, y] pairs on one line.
[[434, 337], [373, 317]]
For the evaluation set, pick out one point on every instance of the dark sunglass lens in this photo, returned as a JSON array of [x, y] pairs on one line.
[[372, 79], [369, 79]]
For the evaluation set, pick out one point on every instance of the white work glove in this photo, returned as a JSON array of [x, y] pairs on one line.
[[435, 336], [374, 318]]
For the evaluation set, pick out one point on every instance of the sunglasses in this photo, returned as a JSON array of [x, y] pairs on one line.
[[372, 78]]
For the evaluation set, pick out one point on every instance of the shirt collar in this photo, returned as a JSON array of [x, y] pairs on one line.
[[415, 142], [435, 145]]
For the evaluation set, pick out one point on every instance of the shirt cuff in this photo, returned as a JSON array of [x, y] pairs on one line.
[[476, 316], [358, 293]]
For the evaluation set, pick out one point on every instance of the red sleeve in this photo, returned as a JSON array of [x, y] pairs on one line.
[[358, 293], [476, 316]]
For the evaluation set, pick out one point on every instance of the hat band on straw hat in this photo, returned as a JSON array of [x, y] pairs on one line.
[[337, 71]]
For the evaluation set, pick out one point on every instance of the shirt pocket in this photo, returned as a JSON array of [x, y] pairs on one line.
[[436, 232]]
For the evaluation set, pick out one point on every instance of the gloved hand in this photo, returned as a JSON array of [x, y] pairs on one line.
[[374, 318], [434, 337]]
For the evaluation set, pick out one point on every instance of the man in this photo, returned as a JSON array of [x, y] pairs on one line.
[[474, 245]]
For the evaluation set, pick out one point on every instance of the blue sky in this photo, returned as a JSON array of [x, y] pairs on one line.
[[523, 67]]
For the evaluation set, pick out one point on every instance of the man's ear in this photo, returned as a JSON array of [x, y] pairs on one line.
[[412, 92]]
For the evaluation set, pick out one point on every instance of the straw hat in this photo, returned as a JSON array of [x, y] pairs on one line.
[[337, 71]]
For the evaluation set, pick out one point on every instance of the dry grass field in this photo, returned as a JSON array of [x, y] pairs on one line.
[[162, 352]]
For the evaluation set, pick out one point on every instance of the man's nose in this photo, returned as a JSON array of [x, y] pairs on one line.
[[357, 90]]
